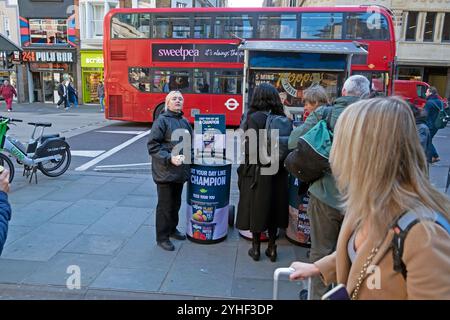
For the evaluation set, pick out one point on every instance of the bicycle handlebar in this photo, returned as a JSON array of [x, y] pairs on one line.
[[10, 119]]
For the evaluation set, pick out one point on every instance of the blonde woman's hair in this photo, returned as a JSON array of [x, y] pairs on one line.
[[380, 166], [315, 94], [169, 96]]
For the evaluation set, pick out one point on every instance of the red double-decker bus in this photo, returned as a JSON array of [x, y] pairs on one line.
[[149, 52]]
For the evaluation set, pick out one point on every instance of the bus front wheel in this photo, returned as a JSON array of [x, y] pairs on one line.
[[159, 109]]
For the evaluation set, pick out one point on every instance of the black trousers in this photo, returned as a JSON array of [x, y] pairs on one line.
[[169, 203]]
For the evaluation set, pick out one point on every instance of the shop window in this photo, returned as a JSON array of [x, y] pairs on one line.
[[140, 78], [411, 26], [366, 26], [126, 25], [446, 30], [430, 21], [48, 31], [230, 26], [201, 81], [166, 81], [277, 26], [321, 25], [227, 82]]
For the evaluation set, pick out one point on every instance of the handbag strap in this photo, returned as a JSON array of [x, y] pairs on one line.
[[363, 272]]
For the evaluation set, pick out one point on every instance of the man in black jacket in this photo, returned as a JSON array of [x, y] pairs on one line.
[[169, 171], [5, 208]]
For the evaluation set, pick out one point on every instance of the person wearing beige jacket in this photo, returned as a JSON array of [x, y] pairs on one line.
[[381, 171]]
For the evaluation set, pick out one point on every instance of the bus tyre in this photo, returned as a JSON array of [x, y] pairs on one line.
[[6, 163], [159, 109]]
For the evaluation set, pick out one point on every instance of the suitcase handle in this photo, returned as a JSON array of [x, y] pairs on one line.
[[285, 271]]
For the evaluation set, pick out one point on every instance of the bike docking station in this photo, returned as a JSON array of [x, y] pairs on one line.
[[208, 210], [48, 153]]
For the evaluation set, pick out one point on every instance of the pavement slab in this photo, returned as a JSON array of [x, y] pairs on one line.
[[42, 243]]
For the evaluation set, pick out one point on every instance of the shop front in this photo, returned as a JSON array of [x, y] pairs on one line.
[[91, 74], [48, 69]]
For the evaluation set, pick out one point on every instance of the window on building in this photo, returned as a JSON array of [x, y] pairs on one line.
[[292, 3], [97, 21], [411, 26], [145, 4], [48, 31], [238, 25], [202, 27], [446, 30], [130, 25], [171, 27], [140, 78], [430, 21], [227, 82], [321, 25], [277, 26], [367, 26]]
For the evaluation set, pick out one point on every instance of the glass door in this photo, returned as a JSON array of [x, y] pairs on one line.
[[48, 87], [56, 82]]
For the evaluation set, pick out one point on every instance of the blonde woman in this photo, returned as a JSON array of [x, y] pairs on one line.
[[380, 169], [169, 171]]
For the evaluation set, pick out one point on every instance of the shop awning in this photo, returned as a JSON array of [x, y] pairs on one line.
[[304, 47], [8, 45]]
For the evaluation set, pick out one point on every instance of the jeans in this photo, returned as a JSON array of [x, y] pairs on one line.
[[169, 203], [434, 153], [325, 222], [75, 101], [102, 107]]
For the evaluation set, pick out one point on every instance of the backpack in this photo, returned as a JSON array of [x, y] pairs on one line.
[[309, 161], [284, 126], [401, 228], [442, 118]]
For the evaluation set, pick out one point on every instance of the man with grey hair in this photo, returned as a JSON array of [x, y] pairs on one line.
[[324, 205]]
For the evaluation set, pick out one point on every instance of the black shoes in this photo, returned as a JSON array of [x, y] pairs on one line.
[[166, 245], [178, 235], [271, 252], [254, 251]]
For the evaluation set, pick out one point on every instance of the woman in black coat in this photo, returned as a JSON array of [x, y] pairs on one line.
[[263, 199], [169, 171]]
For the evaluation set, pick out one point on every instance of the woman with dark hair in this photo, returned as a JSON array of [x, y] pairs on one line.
[[263, 199]]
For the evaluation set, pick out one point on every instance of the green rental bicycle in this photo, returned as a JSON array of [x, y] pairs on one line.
[[48, 153]]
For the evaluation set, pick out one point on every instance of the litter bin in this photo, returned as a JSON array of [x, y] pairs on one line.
[[208, 202], [298, 230]]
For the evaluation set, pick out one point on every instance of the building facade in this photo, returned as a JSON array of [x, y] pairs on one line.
[[49, 39], [422, 32], [91, 14], [9, 28]]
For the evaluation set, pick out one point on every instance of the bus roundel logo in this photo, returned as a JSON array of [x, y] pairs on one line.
[[231, 104]]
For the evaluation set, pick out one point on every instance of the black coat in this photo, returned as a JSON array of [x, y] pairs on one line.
[[263, 199], [160, 147]]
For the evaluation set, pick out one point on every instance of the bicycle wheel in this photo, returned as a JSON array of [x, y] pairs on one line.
[[55, 168], [6, 163]]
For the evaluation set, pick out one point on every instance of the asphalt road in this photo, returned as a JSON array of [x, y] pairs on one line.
[[121, 147]]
